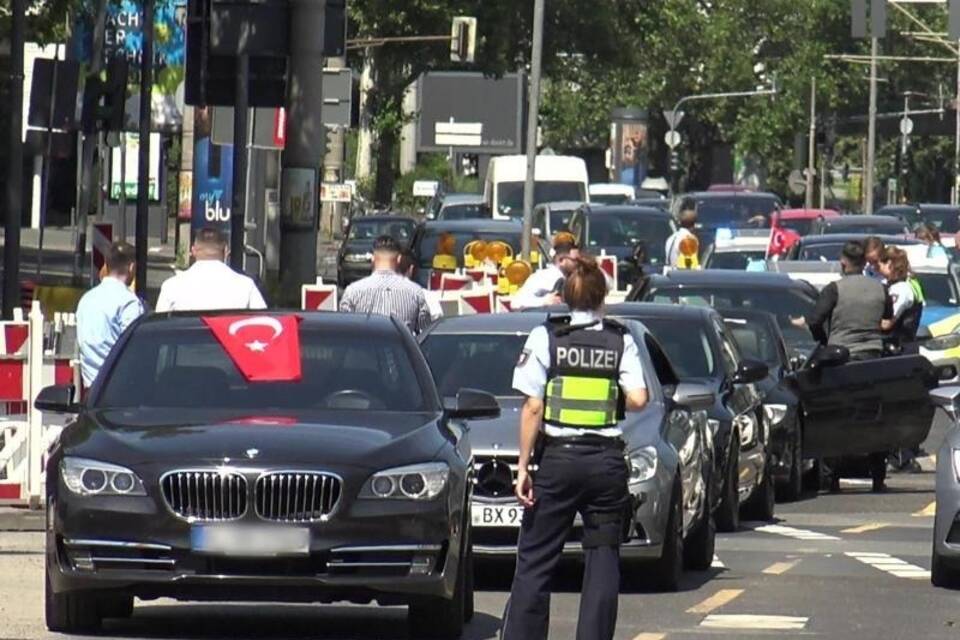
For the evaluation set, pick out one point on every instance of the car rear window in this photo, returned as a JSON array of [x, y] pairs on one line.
[[736, 211], [483, 362], [172, 368], [400, 230]]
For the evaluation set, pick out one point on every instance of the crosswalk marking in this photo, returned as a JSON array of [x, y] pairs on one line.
[[779, 568], [717, 600], [928, 511], [870, 526], [791, 532], [717, 563], [889, 564], [749, 621], [650, 636]]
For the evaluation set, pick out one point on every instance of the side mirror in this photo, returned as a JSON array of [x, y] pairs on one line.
[[946, 398], [750, 371], [57, 399], [472, 404], [829, 356], [693, 397]]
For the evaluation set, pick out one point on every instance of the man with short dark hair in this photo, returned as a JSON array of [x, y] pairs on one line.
[[386, 292], [683, 237], [209, 284], [544, 287], [106, 311]]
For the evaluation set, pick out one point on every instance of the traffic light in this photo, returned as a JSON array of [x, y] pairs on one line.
[[104, 101], [463, 39], [335, 29]]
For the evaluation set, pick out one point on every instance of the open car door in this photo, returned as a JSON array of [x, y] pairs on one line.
[[867, 406]]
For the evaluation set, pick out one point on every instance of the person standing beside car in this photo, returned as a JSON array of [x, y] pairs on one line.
[[544, 286], [906, 300], [683, 246], [577, 373]]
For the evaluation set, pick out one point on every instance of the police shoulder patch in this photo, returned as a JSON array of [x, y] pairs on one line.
[[524, 356]]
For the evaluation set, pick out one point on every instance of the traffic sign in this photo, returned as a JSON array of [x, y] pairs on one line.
[[672, 138], [673, 118], [797, 182], [906, 125]]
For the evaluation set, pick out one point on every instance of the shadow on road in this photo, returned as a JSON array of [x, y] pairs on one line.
[[295, 622]]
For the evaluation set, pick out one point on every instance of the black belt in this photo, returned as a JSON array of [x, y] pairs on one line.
[[596, 442]]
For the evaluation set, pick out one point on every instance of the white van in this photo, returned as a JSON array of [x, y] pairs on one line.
[[557, 178]]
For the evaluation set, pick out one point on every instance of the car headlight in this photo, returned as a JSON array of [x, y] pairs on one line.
[[358, 257], [94, 478], [643, 464], [774, 413], [943, 343], [416, 482], [748, 428]]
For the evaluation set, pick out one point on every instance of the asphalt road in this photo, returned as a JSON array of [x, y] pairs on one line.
[[852, 565]]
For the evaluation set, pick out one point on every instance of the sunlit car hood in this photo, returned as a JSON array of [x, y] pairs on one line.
[[353, 438]]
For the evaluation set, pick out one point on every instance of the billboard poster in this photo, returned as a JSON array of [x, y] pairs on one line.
[[632, 158], [125, 175], [124, 37], [212, 177]]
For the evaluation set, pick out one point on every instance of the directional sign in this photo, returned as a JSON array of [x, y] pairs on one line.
[[673, 118], [906, 126], [337, 104], [672, 138]]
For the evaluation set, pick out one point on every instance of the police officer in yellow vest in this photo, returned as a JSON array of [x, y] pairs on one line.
[[578, 373]]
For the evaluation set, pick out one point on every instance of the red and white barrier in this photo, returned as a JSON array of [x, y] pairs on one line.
[[504, 304], [474, 302], [455, 282], [318, 297], [609, 266]]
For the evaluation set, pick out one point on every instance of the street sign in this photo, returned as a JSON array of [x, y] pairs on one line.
[[337, 97], [335, 192], [458, 134], [797, 182], [673, 118], [672, 138], [906, 126]]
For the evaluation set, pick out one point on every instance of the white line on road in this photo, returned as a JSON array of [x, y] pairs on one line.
[[888, 564], [717, 600], [864, 528], [650, 636], [717, 563], [797, 534], [748, 621], [780, 568]]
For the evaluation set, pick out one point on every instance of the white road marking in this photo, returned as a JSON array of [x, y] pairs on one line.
[[717, 600], [749, 621], [650, 636], [888, 564], [870, 526], [717, 563], [797, 534]]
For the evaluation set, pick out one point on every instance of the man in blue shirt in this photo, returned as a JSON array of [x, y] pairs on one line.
[[106, 311]]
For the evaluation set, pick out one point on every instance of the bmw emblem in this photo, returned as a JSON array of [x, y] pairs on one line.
[[252, 453]]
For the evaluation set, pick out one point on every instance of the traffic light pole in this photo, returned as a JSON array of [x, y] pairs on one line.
[[11, 227], [533, 118], [238, 207], [871, 132], [143, 164]]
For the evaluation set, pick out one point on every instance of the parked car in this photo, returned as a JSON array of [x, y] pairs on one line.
[[557, 179], [739, 249], [945, 556], [346, 478], [463, 206], [827, 248], [869, 225], [356, 250], [550, 218], [611, 193], [945, 217], [428, 234], [667, 444]]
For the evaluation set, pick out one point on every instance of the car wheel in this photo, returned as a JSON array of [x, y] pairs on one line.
[[762, 503], [71, 612], [116, 606], [792, 490], [699, 547], [440, 618], [941, 574], [668, 570], [728, 511]]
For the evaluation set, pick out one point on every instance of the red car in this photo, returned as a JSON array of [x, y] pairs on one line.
[[789, 225]]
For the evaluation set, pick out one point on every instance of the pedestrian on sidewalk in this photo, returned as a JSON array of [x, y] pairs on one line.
[[105, 311], [209, 284], [387, 292]]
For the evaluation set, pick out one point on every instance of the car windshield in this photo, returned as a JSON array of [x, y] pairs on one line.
[[736, 259], [801, 226], [427, 247], [560, 220], [464, 211], [483, 362], [946, 220], [187, 368], [686, 344], [609, 198], [510, 195], [821, 252], [783, 303], [891, 228], [938, 289], [755, 340], [626, 230], [370, 230], [736, 211]]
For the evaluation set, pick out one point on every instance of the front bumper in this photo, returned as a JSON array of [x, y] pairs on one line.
[[389, 551]]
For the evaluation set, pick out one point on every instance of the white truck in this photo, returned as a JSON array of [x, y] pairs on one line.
[[557, 178]]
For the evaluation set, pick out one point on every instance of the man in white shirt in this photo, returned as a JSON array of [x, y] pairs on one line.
[[543, 287], [209, 284], [688, 221]]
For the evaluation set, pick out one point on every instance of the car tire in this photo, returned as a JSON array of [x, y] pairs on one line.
[[70, 612], [728, 511], [441, 618], [792, 489], [762, 503], [116, 606], [700, 545], [668, 570]]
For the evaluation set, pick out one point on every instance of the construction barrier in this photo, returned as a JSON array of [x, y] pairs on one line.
[[318, 297]]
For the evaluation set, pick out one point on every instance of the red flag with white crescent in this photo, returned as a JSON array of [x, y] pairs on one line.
[[263, 348]]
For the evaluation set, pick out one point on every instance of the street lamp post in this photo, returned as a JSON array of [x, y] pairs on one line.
[[871, 131], [533, 117]]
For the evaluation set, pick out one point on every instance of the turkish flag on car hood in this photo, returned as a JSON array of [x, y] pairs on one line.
[[264, 348]]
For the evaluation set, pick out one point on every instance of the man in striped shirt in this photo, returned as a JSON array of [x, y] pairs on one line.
[[386, 292]]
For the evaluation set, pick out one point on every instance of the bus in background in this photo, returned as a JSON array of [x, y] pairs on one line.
[[557, 178]]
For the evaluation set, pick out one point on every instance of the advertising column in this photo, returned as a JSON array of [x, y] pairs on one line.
[[212, 177]]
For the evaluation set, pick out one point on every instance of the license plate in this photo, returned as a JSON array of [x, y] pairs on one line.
[[489, 515], [250, 542]]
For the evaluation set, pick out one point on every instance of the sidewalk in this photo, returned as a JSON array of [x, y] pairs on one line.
[[62, 239], [21, 519]]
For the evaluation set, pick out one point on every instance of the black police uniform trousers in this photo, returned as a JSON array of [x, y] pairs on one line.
[[590, 479]]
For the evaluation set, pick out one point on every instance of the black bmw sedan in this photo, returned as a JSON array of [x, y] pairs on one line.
[[262, 456]]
